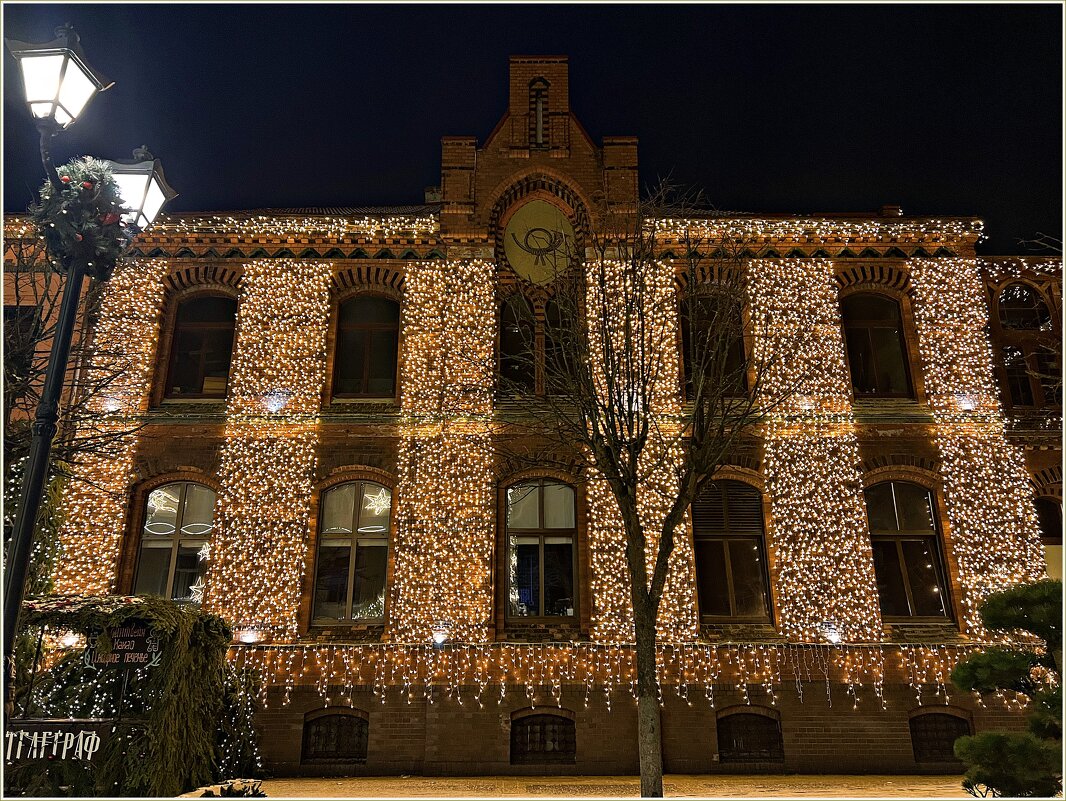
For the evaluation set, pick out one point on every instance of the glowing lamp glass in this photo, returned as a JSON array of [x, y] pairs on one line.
[[56, 82]]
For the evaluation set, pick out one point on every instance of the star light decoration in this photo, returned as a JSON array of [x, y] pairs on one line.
[[268, 460], [379, 502], [995, 536], [818, 530], [123, 358]]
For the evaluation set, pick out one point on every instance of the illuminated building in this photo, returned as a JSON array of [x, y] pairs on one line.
[[414, 606]]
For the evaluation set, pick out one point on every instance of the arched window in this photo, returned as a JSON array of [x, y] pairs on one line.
[[1022, 309], [933, 736], [910, 572], [518, 364], [541, 528], [353, 547], [712, 345], [1032, 365], [202, 347], [178, 522], [543, 740], [731, 574], [877, 349], [368, 335], [336, 736], [747, 737], [538, 114], [1049, 514]]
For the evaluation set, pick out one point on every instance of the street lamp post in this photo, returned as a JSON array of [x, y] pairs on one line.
[[58, 85]]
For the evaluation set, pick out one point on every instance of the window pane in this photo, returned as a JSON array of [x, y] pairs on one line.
[[880, 509], [711, 577], [1049, 513], [208, 310], [382, 363], [187, 570], [368, 598], [890, 579], [558, 506], [368, 309], [350, 361], [161, 518], [516, 342], [1018, 384], [374, 510], [891, 375], [933, 736], [860, 359], [1053, 559], [218, 345], [338, 509], [749, 738], [331, 585], [1049, 374], [749, 591], [185, 375], [922, 570], [522, 506], [152, 570], [912, 505], [1021, 308], [525, 576], [864, 308], [558, 576], [199, 515]]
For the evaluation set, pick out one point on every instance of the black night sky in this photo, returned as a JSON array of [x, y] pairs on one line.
[[952, 110]]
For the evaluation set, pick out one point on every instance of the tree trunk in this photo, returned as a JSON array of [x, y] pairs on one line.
[[649, 716]]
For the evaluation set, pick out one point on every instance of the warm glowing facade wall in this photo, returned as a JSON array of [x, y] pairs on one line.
[[447, 479]]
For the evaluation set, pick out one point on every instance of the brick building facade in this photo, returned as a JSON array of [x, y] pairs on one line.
[[287, 476]]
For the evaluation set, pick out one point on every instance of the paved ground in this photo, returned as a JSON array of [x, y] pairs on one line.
[[620, 786]]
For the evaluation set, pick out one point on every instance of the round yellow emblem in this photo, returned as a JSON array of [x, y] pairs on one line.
[[538, 241]]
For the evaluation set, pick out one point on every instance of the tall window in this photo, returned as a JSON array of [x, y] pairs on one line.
[[178, 523], [353, 545], [877, 350], [517, 344], [538, 113], [1032, 365], [712, 344], [731, 575], [910, 572], [541, 529], [543, 740], [202, 347], [368, 333], [1049, 514], [746, 737]]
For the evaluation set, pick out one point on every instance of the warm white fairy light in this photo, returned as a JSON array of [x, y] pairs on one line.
[[818, 532], [619, 297], [445, 498], [994, 532], [822, 230], [262, 225], [268, 460], [124, 351]]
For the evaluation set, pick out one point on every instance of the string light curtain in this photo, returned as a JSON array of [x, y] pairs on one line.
[[125, 345], [994, 530], [633, 335], [825, 578], [267, 464], [446, 497]]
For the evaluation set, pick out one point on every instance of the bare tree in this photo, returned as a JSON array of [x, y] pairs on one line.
[[600, 380], [33, 289]]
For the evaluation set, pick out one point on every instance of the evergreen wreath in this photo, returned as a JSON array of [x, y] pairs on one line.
[[83, 219]]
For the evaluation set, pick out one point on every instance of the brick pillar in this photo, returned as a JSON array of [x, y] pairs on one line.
[[994, 533], [446, 494], [268, 459], [818, 537], [125, 343]]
